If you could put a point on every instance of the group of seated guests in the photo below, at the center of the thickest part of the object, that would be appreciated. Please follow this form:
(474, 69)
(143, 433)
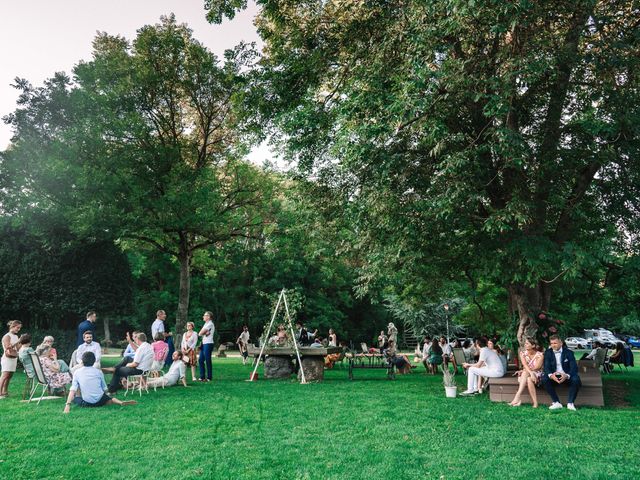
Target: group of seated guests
(55, 370)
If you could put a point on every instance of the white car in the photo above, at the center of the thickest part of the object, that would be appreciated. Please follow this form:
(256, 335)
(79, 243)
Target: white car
(578, 342)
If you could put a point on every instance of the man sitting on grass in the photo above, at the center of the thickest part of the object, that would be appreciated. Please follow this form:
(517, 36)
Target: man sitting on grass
(92, 387)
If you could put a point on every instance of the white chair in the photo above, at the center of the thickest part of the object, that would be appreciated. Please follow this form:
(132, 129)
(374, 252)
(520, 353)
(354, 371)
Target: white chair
(137, 382)
(39, 377)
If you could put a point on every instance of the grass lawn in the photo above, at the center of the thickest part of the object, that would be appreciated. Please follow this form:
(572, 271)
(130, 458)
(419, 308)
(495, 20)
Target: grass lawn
(365, 429)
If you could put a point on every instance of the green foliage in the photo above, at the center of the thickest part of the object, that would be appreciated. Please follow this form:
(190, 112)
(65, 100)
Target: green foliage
(50, 281)
(431, 319)
(502, 142)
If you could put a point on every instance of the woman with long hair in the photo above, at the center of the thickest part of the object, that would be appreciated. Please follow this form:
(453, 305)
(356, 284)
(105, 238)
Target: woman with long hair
(531, 359)
(188, 348)
(9, 362)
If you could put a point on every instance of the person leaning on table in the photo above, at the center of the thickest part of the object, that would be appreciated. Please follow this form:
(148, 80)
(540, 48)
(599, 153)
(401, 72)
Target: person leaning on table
(92, 387)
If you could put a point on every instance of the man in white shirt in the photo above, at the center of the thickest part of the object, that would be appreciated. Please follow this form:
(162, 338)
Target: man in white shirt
(92, 387)
(141, 363)
(489, 365)
(426, 351)
(88, 346)
(158, 325)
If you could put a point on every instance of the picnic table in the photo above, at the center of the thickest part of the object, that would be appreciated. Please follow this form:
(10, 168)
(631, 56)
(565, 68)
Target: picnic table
(370, 360)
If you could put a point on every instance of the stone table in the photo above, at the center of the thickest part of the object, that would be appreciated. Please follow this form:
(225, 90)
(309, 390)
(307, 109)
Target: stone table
(279, 361)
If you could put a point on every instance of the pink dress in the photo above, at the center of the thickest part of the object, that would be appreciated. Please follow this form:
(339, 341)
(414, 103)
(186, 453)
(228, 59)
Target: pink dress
(531, 363)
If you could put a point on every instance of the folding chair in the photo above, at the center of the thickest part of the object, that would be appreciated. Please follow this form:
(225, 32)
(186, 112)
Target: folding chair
(458, 354)
(39, 377)
(137, 382)
(156, 374)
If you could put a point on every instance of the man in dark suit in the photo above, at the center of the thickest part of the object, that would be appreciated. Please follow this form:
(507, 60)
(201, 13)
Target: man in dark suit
(89, 325)
(560, 366)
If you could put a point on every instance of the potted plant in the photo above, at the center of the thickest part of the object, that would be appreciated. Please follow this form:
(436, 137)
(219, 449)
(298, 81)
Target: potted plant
(450, 388)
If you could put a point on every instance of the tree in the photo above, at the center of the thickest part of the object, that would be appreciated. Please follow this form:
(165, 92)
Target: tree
(497, 140)
(143, 144)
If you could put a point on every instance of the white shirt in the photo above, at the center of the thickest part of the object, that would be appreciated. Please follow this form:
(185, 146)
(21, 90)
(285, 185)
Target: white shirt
(425, 349)
(92, 347)
(189, 343)
(176, 371)
(491, 360)
(157, 327)
(244, 337)
(208, 338)
(144, 357)
(558, 355)
(446, 349)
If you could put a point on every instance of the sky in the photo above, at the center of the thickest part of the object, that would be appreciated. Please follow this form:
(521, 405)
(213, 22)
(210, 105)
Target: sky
(41, 37)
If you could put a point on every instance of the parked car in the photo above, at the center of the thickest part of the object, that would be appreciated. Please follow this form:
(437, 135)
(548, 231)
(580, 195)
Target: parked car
(578, 342)
(633, 342)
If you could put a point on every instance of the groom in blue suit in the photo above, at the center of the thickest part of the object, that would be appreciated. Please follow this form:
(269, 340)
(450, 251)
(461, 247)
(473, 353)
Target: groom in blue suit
(560, 366)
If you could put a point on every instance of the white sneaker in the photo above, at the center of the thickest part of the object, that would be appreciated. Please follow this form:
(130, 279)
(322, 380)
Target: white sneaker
(571, 406)
(467, 393)
(556, 406)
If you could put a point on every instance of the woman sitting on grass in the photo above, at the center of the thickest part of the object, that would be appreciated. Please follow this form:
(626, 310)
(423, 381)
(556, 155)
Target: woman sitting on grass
(531, 359)
(51, 368)
(176, 373)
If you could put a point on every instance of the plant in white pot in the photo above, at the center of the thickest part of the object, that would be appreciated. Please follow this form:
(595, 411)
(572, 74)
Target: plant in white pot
(450, 388)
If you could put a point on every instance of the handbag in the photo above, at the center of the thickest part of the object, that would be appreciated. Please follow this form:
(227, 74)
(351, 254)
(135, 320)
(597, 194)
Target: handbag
(11, 352)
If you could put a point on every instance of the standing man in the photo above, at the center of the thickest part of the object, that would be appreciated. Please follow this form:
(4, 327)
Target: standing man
(158, 327)
(206, 349)
(141, 363)
(560, 366)
(89, 325)
(489, 365)
(88, 345)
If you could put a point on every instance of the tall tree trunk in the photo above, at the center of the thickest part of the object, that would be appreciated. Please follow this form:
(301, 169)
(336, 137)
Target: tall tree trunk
(107, 333)
(527, 302)
(184, 258)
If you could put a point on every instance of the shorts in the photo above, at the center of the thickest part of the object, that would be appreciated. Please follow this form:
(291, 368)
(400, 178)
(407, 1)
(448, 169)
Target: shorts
(81, 403)
(9, 364)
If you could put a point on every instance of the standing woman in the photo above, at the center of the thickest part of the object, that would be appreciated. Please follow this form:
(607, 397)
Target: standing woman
(188, 347)
(333, 338)
(9, 362)
(207, 347)
(392, 332)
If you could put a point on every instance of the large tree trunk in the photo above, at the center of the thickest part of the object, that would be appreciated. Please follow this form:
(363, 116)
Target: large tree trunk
(107, 333)
(185, 286)
(527, 302)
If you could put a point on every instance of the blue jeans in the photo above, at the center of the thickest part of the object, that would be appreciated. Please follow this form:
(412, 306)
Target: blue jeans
(205, 356)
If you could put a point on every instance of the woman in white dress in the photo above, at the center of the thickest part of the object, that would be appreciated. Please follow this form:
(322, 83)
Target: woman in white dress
(333, 338)
(9, 362)
(176, 373)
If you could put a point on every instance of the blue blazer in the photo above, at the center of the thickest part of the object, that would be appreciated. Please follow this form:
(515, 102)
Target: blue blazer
(568, 359)
(85, 326)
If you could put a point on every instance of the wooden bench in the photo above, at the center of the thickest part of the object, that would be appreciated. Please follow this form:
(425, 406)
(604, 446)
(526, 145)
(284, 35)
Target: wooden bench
(504, 389)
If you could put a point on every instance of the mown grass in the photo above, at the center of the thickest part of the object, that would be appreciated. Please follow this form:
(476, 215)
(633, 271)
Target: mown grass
(368, 428)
